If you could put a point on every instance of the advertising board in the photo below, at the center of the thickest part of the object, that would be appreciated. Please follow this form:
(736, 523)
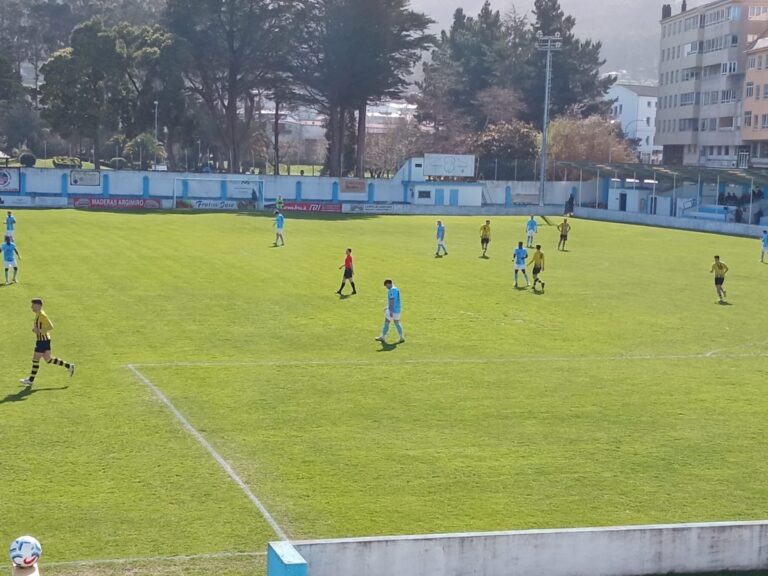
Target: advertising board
(449, 165)
(85, 178)
(118, 203)
(233, 205)
(9, 179)
(311, 207)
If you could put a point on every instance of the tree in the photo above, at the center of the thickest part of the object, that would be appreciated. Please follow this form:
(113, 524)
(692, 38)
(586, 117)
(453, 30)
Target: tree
(235, 48)
(155, 60)
(577, 87)
(592, 139)
(501, 145)
(84, 88)
(354, 52)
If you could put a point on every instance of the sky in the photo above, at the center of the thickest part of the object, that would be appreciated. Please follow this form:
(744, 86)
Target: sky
(626, 47)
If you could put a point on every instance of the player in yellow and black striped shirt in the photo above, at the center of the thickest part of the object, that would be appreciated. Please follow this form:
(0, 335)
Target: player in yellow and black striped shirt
(42, 329)
(485, 237)
(538, 266)
(719, 269)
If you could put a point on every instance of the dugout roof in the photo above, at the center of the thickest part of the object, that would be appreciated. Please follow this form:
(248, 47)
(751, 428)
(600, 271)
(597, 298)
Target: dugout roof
(737, 176)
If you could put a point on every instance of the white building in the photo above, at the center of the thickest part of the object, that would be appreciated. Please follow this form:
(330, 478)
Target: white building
(634, 108)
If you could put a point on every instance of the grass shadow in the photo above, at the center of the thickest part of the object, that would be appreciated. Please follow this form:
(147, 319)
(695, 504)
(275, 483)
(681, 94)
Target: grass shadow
(26, 392)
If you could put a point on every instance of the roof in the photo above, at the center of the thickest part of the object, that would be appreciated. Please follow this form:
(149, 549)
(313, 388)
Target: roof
(760, 44)
(642, 90)
(670, 173)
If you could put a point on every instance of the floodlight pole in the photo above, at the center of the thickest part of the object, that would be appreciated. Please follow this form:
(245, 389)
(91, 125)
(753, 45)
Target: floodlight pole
(156, 103)
(546, 44)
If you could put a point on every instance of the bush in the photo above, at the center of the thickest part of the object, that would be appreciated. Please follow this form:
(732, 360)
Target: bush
(27, 159)
(118, 163)
(66, 162)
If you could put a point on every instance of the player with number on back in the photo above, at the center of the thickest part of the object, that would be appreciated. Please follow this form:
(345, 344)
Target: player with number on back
(764, 245)
(392, 312)
(719, 268)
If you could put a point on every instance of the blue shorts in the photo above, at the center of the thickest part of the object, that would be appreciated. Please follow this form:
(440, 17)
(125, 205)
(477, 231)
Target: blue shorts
(42, 346)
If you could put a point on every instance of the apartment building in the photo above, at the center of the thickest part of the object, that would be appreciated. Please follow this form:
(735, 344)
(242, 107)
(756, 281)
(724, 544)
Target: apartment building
(754, 131)
(634, 107)
(702, 65)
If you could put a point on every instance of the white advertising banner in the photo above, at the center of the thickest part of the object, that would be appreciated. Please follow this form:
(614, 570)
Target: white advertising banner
(9, 180)
(373, 208)
(85, 178)
(453, 165)
(16, 201)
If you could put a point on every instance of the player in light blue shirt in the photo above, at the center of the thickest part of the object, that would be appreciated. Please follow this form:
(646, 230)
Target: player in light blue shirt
(531, 227)
(9, 258)
(440, 239)
(521, 255)
(279, 225)
(392, 312)
(10, 225)
(765, 246)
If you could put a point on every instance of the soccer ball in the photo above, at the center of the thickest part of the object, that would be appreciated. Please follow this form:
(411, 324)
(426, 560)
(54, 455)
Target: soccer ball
(25, 551)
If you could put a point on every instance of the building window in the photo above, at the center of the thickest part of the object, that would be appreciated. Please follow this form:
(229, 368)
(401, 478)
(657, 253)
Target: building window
(648, 104)
(760, 62)
(750, 92)
(647, 120)
(751, 63)
(728, 68)
(755, 12)
(747, 119)
(727, 151)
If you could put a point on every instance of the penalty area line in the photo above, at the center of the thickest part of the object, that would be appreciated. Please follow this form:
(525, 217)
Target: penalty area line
(714, 354)
(179, 558)
(226, 466)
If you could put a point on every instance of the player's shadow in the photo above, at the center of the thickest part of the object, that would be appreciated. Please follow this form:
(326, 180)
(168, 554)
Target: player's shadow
(483, 257)
(26, 392)
(724, 303)
(344, 296)
(387, 347)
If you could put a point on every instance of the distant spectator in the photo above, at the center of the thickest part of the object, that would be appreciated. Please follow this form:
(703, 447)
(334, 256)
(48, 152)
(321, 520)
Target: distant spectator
(738, 215)
(758, 216)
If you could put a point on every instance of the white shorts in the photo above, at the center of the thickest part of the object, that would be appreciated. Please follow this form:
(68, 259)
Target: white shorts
(531, 234)
(441, 243)
(279, 230)
(11, 264)
(520, 267)
(391, 315)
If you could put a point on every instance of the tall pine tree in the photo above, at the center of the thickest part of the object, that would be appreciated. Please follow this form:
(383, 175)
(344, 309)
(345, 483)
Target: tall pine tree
(577, 87)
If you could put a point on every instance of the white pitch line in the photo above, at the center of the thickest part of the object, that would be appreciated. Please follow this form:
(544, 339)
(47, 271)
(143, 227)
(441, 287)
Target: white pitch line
(212, 555)
(212, 451)
(299, 363)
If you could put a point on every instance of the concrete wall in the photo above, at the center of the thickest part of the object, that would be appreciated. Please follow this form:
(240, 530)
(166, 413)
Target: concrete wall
(133, 184)
(619, 551)
(670, 222)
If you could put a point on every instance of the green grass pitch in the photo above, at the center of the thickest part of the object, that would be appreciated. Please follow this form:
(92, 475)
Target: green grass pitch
(622, 395)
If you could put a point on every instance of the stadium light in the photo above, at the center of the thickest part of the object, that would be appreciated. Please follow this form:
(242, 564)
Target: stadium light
(546, 44)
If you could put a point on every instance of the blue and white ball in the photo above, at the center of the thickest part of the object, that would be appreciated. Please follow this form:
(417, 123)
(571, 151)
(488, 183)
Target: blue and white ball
(25, 551)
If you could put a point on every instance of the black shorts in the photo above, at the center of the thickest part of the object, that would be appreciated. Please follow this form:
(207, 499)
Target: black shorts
(563, 236)
(347, 273)
(484, 241)
(536, 270)
(42, 346)
(719, 280)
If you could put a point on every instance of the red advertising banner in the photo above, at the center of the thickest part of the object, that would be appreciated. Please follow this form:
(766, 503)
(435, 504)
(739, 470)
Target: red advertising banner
(118, 203)
(311, 207)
